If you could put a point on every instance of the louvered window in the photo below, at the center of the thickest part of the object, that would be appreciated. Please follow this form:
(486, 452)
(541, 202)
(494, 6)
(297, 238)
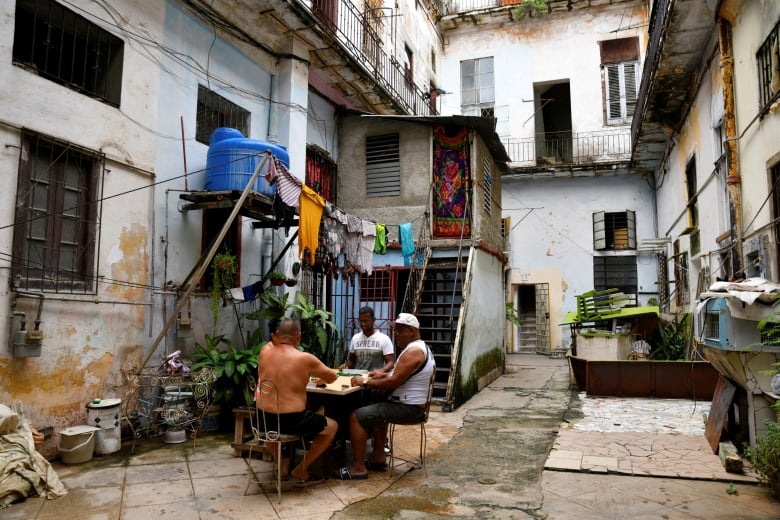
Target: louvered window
(487, 186)
(214, 111)
(383, 166)
(621, 83)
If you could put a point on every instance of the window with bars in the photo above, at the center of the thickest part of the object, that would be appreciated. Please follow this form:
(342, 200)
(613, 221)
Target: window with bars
(614, 231)
(57, 214)
(768, 61)
(616, 272)
(376, 287)
(66, 48)
(214, 111)
(477, 85)
(487, 186)
(383, 165)
(321, 173)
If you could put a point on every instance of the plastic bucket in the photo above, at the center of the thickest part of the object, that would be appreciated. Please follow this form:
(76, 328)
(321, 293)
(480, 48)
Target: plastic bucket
(106, 415)
(77, 443)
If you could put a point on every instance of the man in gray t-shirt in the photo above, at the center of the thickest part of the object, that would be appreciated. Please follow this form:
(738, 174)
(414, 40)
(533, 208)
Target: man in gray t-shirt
(370, 349)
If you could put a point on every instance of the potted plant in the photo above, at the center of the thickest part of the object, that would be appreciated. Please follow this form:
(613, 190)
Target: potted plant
(318, 333)
(235, 369)
(224, 267)
(276, 278)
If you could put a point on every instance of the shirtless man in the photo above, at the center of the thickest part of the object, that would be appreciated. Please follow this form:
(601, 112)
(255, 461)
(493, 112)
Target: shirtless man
(290, 369)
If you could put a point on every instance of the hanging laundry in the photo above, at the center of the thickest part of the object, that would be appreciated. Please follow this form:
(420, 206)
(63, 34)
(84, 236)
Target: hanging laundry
(312, 206)
(367, 247)
(407, 239)
(288, 187)
(380, 245)
(334, 229)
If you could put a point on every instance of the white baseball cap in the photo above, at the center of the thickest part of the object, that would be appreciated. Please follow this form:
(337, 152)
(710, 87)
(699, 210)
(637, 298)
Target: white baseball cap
(407, 319)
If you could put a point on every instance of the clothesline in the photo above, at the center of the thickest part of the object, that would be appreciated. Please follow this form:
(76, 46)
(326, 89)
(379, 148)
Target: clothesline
(343, 233)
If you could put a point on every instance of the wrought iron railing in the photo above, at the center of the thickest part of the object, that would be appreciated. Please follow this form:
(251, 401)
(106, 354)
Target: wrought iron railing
(463, 6)
(563, 148)
(359, 39)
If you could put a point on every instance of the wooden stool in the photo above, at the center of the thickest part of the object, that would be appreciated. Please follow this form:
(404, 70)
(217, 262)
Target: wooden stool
(241, 415)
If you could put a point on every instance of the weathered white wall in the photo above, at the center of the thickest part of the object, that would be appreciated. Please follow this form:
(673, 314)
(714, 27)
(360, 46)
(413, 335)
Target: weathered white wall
(483, 319)
(759, 147)
(538, 50)
(88, 339)
(551, 234)
(697, 138)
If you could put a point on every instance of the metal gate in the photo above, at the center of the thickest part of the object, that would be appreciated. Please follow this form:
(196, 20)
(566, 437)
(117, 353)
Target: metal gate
(543, 318)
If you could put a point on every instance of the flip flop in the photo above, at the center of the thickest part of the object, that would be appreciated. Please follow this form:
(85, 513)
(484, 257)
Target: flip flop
(376, 466)
(311, 481)
(344, 474)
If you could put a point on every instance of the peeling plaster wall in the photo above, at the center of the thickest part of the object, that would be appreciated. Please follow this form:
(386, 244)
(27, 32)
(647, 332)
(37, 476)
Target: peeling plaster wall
(88, 339)
(697, 138)
(759, 148)
(551, 234)
(538, 50)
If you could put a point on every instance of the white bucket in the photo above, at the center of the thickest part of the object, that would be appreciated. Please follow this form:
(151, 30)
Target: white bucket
(77, 443)
(106, 415)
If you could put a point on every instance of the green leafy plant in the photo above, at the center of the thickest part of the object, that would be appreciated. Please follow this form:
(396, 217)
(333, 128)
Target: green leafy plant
(532, 8)
(235, 368)
(317, 331)
(672, 339)
(276, 275)
(224, 267)
(511, 314)
(765, 457)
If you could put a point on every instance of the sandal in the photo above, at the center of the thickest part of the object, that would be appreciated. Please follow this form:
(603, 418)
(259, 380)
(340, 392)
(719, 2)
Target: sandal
(344, 474)
(376, 466)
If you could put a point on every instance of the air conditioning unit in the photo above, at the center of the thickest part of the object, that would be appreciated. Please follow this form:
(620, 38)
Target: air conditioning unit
(717, 328)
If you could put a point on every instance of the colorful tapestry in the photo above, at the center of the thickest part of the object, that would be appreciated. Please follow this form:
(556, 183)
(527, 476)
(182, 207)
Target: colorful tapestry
(451, 183)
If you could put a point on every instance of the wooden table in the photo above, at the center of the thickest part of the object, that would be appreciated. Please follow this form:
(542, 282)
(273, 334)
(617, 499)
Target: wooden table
(339, 388)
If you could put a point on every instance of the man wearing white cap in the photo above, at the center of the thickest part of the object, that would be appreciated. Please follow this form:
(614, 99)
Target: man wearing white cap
(408, 383)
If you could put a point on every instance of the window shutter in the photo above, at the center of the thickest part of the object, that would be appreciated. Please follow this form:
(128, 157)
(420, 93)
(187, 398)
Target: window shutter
(613, 91)
(383, 166)
(629, 76)
(599, 231)
(631, 225)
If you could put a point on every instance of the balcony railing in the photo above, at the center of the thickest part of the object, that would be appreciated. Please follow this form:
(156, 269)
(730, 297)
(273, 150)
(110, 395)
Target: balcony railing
(464, 6)
(360, 40)
(566, 148)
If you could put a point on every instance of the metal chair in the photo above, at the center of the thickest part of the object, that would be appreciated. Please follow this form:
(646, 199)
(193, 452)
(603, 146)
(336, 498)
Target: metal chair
(264, 434)
(423, 436)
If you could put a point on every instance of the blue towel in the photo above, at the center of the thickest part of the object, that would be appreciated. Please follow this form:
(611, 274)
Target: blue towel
(407, 239)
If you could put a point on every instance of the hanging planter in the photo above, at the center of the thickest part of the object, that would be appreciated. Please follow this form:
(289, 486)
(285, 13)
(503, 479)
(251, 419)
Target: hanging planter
(291, 282)
(277, 278)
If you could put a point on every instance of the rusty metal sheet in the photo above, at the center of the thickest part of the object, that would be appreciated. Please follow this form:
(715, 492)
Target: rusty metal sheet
(719, 412)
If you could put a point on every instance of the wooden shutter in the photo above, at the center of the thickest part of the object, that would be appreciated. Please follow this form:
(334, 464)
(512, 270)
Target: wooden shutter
(599, 231)
(631, 225)
(383, 166)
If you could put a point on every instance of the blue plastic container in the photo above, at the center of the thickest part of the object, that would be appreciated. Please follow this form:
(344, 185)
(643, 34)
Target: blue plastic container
(232, 159)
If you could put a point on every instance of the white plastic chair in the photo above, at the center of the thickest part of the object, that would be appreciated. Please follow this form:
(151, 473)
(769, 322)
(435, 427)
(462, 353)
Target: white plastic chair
(264, 434)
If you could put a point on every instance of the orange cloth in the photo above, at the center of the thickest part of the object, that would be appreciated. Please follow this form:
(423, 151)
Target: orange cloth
(310, 216)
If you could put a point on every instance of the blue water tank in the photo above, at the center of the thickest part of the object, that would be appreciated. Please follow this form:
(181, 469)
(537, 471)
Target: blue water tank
(232, 159)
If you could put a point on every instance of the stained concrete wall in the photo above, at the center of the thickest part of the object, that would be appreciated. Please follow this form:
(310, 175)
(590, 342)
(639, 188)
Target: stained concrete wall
(551, 235)
(88, 339)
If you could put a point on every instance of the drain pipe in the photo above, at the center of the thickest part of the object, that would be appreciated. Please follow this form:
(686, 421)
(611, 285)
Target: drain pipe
(733, 179)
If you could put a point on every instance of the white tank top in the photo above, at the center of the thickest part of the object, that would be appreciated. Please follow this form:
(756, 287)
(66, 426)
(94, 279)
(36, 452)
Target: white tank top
(415, 389)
